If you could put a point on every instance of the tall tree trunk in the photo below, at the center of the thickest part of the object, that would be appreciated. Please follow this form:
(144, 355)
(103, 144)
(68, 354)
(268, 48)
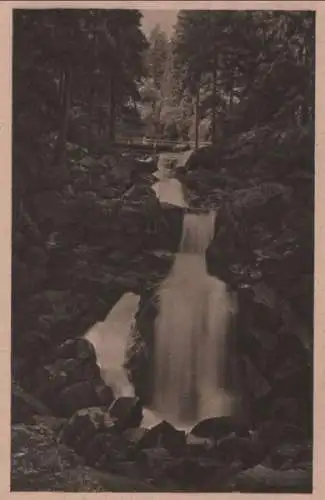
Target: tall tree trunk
(214, 103)
(60, 146)
(112, 110)
(197, 115)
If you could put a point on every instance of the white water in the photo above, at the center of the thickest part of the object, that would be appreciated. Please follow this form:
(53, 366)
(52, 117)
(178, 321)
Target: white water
(190, 330)
(168, 189)
(110, 338)
(190, 333)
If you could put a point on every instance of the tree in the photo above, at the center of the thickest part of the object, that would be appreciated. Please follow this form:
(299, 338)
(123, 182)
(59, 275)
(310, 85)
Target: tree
(74, 57)
(156, 55)
(249, 66)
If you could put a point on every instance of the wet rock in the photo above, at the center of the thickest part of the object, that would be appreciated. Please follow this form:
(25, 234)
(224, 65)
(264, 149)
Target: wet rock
(127, 411)
(139, 351)
(164, 435)
(84, 425)
(165, 228)
(25, 406)
(219, 427)
(104, 393)
(79, 348)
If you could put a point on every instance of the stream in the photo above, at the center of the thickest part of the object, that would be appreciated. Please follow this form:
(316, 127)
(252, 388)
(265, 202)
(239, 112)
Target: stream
(190, 329)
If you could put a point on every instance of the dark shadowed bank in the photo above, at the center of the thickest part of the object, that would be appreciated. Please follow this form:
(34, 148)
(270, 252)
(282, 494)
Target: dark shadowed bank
(87, 228)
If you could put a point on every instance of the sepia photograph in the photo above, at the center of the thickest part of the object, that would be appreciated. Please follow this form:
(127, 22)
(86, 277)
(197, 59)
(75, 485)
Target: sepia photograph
(162, 324)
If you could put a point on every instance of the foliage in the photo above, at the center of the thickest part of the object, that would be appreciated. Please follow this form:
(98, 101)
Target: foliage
(250, 67)
(89, 61)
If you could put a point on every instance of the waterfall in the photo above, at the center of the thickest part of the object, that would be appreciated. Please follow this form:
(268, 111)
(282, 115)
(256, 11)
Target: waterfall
(168, 189)
(190, 332)
(110, 338)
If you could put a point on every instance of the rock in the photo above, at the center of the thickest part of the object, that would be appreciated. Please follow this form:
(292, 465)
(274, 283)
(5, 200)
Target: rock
(156, 463)
(106, 450)
(139, 350)
(75, 397)
(219, 481)
(62, 373)
(261, 479)
(84, 425)
(273, 433)
(289, 454)
(286, 410)
(164, 435)
(199, 445)
(166, 228)
(134, 435)
(193, 474)
(53, 423)
(249, 452)
(25, 406)
(204, 157)
(79, 348)
(127, 411)
(218, 427)
(39, 463)
(104, 394)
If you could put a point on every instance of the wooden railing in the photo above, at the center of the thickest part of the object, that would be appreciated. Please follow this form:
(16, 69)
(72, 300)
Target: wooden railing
(157, 144)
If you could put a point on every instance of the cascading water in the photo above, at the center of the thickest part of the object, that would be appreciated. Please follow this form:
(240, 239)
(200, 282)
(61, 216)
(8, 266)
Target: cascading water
(110, 338)
(168, 189)
(190, 332)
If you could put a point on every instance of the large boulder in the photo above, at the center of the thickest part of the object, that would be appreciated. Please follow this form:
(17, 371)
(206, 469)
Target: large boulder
(62, 373)
(139, 351)
(163, 435)
(84, 425)
(127, 411)
(219, 427)
(80, 395)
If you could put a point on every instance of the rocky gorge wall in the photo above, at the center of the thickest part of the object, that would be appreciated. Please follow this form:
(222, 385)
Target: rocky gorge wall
(78, 246)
